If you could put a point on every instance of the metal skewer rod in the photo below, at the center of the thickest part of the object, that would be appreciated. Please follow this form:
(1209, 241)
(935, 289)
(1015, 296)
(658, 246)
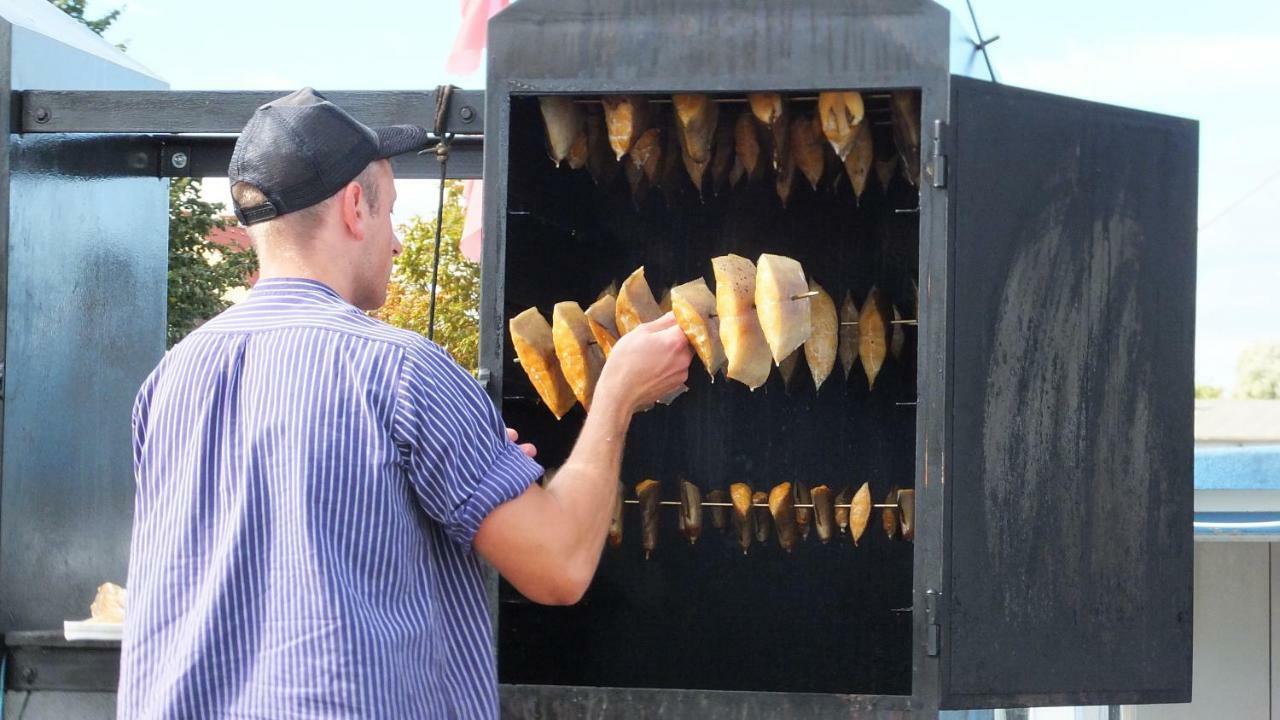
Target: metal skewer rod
(662, 100)
(891, 322)
(677, 503)
(805, 295)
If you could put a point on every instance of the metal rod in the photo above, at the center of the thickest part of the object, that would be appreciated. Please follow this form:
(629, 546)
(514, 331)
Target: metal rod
(805, 295)
(891, 322)
(706, 503)
(664, 100)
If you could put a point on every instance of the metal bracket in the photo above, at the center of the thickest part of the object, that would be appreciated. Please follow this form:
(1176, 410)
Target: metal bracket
(175, 161)
(933, 630)
(938, 155)
(483, 376)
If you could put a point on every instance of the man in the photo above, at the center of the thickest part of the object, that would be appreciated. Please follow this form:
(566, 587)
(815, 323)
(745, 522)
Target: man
(315, 488)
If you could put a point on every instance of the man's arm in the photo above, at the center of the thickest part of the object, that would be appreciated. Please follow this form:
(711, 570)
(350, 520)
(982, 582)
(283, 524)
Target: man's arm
(547, 541)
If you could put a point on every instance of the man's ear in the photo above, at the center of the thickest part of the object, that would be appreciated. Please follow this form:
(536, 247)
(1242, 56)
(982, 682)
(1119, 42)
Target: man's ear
(354, 214)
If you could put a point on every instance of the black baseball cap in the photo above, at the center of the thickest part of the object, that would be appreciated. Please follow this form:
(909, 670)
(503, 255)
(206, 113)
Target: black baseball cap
(301, 149)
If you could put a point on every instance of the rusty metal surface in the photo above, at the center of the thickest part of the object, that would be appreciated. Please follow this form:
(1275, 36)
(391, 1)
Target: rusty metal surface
(534, 702)
(1071, 425)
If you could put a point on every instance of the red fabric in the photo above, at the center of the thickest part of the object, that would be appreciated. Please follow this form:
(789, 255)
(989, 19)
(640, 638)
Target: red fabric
(473, 196)
(468, 47)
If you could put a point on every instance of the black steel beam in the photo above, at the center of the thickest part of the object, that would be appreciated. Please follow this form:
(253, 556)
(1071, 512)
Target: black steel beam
(120, 155)
(169, 111)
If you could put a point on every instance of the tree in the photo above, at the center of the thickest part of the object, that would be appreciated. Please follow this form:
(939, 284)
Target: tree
(200, 271)
(1208, 392)
(1258, 372)
(76, 8)
(458, 298)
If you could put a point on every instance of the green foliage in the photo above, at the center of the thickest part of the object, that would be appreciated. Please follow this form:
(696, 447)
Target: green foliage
(1208, 392)
(76, 8)
(1258, 372)
(458, 299)
(200, 271)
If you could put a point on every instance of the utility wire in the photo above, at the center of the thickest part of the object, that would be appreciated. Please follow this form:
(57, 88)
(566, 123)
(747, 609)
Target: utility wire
(1240, 200)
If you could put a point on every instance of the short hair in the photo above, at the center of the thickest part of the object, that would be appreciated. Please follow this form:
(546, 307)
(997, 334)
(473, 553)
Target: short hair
(246, 195)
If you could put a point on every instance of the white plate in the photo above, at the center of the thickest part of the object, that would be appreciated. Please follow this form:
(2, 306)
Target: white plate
(90, 630)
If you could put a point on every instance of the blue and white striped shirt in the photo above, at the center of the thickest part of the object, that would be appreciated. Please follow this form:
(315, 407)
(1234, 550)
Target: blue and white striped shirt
(309, 482)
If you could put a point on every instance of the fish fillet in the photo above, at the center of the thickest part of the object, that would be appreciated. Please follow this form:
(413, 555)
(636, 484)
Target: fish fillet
(601, 319)
(885, 170)
(803, 514)
(695, 309)
(615, 525)
(768, 107)
(820, 348)
(784, 182)
(763, 524)
(746, 143)
(823, 513)
(860, 512)
(647, 493)
(841, 114)
(601, 163)
(858, 161)
(690, 511)
(782, 506)
(696, 118)
(580, 356)
(579, 152)
(784, 320)
(905, 105)
(806, 148)
(871, 337)
(535, 347)
(848, 349)
(565, 124)
(907, 511)
(842, 509)
(889, 515)
(898, 336)
(626, 118)
(646, 154)
(743, 514)
(719, 515)
(635, 305)
(722, 157)
(746, 352)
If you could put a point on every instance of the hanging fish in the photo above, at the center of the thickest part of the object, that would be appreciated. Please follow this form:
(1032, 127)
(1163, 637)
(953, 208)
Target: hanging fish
(848, 349)
(871, 337)
(719, 514)
(696, 118)
(804, 514)
(646, 154)
(820, 348)
(722, 158)
(823, 513)
(860, 512)
(615, 525)
(782, 506)
(905, 105)
(898, 336)
(647, 493)
(842, 509)
(746, 352)
(768, 107)
(743, 514)
(746, 145)
(889, 515)
(695, 309)
(787, 368)
(859, 159)
(690, 511)
(672, 172)
(626, 117)
(664, 305)
(785, 180)
(763, 523)
(565, 124)
(780, 288)
(636, 180)
(907, 509)
(806, 148)
(601, 320)
(535, 348)
(885, 170)
(579, 152)
(601, 163)
(841, 115)
(581, 359)
(635, 305)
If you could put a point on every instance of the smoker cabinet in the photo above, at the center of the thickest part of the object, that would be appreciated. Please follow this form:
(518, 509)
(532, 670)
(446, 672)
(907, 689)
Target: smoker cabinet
(1042, 411)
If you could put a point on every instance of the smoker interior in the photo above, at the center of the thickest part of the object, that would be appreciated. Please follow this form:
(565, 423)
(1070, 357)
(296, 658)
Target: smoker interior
(825, 618)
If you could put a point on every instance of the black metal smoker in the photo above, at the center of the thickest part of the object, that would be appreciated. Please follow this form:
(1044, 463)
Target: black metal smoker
(1042, 413)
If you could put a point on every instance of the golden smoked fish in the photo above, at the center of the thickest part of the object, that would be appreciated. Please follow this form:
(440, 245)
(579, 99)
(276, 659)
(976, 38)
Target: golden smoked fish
(694, 306)
(907, 513)
(565, 124)
(848, 349)
(905, 107)
(535, 347)
(859, 160)
(746, 352)
(782, 506)
(871, 337)
(780, 288)
(581, 359)
(635, 305)
(804, 515)
(690, 511)
(743, 514)
(627, 118)
(860, 512)
(806, 148)
(615, 525)
(823, 513)
(601, 163)
(842, 509)
(820, 348)
(889, 516)
(760, 504)
(746, 143)
(841, 115)
(601, 319)
(719, 514)
(647, 493)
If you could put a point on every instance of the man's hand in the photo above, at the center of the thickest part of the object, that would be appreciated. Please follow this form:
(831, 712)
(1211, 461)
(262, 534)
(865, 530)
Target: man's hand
(647, 365)
(526, 448)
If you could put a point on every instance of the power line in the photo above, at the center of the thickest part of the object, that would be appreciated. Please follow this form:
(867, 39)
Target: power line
(1240, 200)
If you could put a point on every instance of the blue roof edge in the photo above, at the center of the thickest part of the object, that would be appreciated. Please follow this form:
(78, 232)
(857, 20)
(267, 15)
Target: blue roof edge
(1252, 467)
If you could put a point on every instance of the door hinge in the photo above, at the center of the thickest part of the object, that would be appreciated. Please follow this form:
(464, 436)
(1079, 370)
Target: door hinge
(933, 629)
(483, 375)
(938, 155)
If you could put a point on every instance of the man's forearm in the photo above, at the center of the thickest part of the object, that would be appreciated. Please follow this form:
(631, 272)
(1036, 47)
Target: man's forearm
(585, 486)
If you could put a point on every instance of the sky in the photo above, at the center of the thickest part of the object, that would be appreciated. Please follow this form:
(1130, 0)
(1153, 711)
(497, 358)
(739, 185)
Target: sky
(1218, 63)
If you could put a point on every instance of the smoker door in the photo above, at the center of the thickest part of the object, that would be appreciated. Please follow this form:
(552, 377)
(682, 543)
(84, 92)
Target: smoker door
(1069, 470)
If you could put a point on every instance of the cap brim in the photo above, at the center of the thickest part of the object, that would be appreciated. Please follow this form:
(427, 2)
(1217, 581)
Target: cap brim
(400, 139)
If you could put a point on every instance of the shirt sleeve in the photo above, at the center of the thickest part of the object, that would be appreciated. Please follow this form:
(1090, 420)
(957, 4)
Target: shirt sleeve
(453, 444)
